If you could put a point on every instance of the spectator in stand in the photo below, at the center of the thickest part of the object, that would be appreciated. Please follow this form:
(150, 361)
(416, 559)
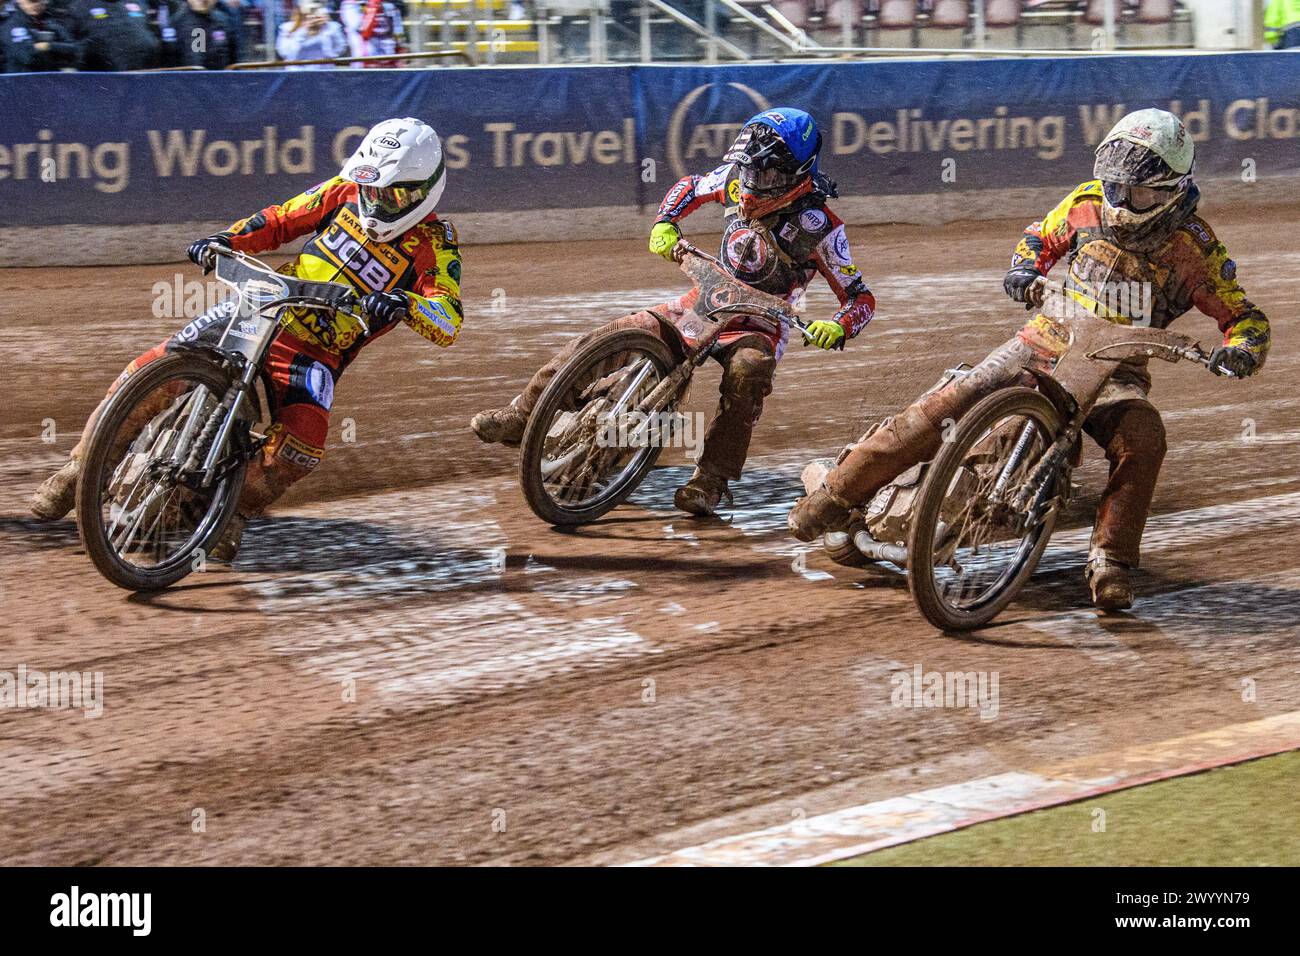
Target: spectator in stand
(33, 42)
(310, 35)
(1282, 24)
(238, 11)
(114, 35)
(206, 35)
(161, 14)
(374, 28)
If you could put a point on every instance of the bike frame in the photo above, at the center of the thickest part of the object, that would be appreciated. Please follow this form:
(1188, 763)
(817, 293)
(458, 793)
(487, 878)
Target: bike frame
(724, 297)
(261, 296)
(1094, 352)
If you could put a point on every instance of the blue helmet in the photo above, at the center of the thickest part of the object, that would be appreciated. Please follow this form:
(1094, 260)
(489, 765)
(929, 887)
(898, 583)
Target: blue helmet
(775, 155)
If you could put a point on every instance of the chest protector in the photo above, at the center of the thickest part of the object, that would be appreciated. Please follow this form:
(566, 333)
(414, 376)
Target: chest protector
(774, 254)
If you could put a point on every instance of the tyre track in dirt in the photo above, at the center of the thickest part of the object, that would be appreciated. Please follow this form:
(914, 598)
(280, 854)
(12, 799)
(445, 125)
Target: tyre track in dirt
(518, 685)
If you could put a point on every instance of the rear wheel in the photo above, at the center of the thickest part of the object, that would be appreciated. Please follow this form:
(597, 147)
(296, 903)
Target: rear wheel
(582, 454)
(974, 541)
(143, 518)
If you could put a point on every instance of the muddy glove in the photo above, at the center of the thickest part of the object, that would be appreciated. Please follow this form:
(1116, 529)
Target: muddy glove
(1019, 285)
(386, 307)
(662, 239)
(200, 251)
(1233, 359)
(826, 335)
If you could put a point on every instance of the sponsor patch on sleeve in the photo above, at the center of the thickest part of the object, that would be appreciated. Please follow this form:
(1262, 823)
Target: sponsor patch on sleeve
(435, 313)
(813, 220)
(712, 181)
(1200, 232)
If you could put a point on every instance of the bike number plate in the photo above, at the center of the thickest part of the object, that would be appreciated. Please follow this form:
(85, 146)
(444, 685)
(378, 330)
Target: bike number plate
(246, 333)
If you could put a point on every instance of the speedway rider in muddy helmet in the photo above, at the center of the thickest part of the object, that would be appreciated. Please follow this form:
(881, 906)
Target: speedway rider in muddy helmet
(1135, 224)
(776, 161)
(1145, 168)
(374, 227)
(778, 235)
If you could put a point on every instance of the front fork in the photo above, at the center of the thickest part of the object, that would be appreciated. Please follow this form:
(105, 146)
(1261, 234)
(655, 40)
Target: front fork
(225, 413)
(674, 384)
(246, 358)
(1039, 496)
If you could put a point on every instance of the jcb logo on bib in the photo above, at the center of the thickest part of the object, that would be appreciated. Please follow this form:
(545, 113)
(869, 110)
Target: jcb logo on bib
(374, 267)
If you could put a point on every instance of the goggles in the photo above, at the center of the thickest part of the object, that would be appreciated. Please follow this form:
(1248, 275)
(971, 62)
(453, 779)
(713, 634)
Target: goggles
(761, 181)
(1137, 198)
(389, 202)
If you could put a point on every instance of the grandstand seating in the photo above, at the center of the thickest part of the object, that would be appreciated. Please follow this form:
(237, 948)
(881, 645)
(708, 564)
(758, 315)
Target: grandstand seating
(1040, 24)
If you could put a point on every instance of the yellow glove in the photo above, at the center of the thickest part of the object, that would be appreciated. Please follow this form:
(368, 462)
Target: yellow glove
(662, 239)
(826, 335)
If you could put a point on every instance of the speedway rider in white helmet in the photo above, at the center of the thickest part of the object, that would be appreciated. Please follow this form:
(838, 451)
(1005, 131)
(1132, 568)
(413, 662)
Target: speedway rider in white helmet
(1134, 224)
(372, 226)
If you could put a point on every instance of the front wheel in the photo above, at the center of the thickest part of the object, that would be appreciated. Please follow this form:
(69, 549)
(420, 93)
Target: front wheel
(145, 519)
(976, 537)
(585, 448)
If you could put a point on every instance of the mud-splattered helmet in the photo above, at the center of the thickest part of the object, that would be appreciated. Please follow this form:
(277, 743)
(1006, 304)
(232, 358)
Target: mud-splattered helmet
(776, 160)
(1145, 167)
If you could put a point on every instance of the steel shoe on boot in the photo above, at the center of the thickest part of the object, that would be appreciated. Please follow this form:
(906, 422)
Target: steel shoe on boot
(700, 496)
(227, 546)
(1111, 583)
(818, 513)
(57, 494)
(500, 425)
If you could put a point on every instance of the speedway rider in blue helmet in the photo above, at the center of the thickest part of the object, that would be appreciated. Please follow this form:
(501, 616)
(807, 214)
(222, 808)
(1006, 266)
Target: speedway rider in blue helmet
(778, 235)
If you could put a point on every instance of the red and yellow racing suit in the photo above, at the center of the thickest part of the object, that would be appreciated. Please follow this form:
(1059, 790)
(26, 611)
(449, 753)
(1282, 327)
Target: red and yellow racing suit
(309, 352)
(1191, 270)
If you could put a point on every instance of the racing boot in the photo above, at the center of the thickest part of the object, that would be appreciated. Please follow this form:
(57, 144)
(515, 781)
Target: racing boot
(818, 513)
(882, 455)
(500, 425)
(701, 495)
(1111, 583)
(225, 548)
(57, 494)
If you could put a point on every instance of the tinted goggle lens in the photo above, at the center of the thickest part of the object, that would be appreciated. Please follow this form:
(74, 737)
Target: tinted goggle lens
(392, 199)
(764, 180)
(1137, 198)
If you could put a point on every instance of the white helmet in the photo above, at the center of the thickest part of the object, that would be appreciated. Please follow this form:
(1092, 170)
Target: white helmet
(400, 174)
(1145, 167)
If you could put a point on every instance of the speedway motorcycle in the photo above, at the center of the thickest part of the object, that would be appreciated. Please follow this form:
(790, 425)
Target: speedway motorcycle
(578, 458)
(970, 526)
(165, 462)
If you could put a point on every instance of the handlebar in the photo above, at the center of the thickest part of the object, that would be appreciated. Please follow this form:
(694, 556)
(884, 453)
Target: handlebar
(1191, 352)
(346, 304)
(683, 248)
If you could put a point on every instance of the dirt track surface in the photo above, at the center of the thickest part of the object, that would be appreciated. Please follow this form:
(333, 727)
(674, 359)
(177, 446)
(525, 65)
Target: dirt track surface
(642, 684)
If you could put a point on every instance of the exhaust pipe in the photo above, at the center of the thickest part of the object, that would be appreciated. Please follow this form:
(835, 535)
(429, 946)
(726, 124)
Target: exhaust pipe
(879, 551)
